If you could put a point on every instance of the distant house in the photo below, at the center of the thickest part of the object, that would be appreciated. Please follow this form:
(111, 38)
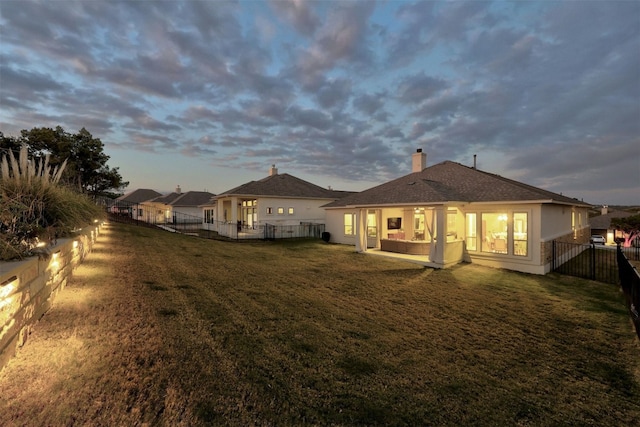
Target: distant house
(187, 206)
(278, 199)
(448, 213)
(601, 224)
(132, 203)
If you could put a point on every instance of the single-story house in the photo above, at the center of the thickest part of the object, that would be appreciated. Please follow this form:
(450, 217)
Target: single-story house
(132, 203)
(278, 199)
(601, 224)
(178, 206)
(448, 213)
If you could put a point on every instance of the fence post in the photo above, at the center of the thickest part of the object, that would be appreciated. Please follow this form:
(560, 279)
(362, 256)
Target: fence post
(593, 261)
(553, 256)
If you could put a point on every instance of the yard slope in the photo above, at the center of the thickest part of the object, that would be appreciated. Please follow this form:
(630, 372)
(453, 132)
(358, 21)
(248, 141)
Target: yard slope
(162, 329)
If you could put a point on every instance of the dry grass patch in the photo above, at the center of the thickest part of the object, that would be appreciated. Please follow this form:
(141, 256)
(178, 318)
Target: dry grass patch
(165, 329)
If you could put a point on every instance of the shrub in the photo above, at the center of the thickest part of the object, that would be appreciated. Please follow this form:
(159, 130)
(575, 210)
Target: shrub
(34, 208)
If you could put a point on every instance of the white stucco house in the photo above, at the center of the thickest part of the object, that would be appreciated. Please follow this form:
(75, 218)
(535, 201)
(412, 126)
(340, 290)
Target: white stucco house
(278, 199)
(177, 206)
(448, 213)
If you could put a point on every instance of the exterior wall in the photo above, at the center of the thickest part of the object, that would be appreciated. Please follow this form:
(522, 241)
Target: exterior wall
(558, 222)
(28, 288)
(304, 210)
(334, 224)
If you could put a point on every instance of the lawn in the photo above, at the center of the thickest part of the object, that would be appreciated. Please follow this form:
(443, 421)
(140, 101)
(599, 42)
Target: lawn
(158, 328)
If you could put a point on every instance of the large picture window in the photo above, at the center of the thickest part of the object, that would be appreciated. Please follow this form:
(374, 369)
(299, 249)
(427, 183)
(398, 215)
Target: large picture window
(349, 224)
(495, 238)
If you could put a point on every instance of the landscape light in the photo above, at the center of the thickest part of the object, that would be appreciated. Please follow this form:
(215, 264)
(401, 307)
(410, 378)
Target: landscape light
(7, 289)
(55, 263)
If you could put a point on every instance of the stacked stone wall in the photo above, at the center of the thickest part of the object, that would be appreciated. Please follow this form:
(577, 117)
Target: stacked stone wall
(29, 287)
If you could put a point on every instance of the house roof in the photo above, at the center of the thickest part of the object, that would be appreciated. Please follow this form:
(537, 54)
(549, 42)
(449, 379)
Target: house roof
(603, 222)
(190, 198)
(284, 185)
(451, 182)
(193, 198)
(166, 199)
(138, 196)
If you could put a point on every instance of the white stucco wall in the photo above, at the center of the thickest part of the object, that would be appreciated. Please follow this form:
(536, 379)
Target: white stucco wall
(304, 210)
(334, 224)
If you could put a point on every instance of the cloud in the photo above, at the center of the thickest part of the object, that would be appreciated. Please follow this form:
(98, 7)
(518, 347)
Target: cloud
(345, 90)
(298, 13)
(419, 87)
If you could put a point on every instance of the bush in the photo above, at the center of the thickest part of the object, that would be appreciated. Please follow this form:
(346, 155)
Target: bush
(34, 208)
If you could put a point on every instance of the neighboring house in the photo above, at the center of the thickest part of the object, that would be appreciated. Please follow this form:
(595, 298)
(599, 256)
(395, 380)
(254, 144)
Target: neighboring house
(278, 199)
(186, 206)
(132, 203)
(601, 224)
(448, 213)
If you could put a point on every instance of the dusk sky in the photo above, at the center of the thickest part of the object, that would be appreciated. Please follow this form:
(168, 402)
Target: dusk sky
(209, 94)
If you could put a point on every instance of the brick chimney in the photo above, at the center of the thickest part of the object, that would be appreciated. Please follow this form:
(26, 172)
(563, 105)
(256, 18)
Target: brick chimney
(418, 160)
(273, 170)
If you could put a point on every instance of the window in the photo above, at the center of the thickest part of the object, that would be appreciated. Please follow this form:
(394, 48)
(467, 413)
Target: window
(280, 211)
(290, 211)
(349, 224)
(471, 232)
(372, 229)
(270, 211)
(520, 235)
(208, 216)
(494, 232)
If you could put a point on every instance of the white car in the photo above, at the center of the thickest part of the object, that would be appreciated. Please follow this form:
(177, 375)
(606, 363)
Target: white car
(597, 240)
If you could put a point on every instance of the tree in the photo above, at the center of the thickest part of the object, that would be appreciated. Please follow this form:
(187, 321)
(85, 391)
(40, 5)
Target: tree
(630, 226)
(87, 168)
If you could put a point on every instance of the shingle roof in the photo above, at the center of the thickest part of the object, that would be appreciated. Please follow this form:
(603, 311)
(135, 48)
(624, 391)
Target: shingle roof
(284, 185)
(166, 199)
(192, 198)
(140, 195)
(450, 182)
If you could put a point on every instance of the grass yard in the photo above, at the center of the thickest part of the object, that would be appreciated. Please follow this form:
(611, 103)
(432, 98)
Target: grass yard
(161, 329)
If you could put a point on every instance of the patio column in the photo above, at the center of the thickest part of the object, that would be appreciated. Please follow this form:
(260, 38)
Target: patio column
(361, 231)
(234, 210)
(441, 235)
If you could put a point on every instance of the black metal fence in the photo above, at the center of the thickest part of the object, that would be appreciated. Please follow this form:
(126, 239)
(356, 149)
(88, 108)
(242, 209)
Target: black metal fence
(630, 284)
(589, 261)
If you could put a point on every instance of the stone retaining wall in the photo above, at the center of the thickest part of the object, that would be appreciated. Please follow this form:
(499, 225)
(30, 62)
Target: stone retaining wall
(28, 287)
